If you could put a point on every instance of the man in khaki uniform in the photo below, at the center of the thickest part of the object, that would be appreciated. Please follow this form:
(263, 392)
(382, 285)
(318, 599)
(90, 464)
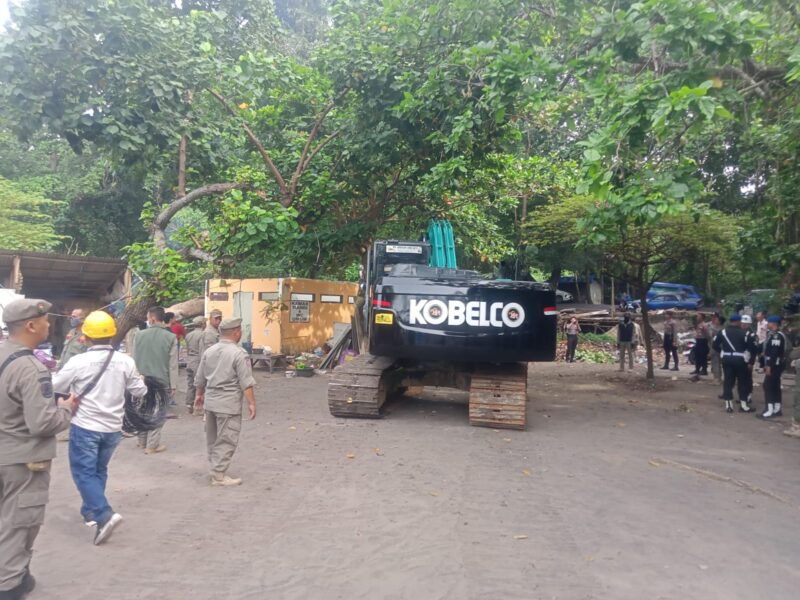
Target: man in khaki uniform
(224, 378)
(29, 421)
(75, 342)
(155, 351)
(211, 333)
(193, 341)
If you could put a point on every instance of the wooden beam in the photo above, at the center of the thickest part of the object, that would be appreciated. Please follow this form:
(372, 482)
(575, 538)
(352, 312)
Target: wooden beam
(15, 279)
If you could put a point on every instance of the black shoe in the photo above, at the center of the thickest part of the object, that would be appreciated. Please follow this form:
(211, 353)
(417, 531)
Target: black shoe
(105, 530)
(695, 372)
(749, 410)
(23, 589)
(704, 372)
(664, 368)
(729, 410)
(778, 414)
(674, 368)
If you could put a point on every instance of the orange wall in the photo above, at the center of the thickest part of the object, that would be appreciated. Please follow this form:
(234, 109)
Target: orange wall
(279, 333)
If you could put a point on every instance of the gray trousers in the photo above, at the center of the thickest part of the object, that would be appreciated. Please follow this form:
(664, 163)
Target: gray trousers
(23, 496)
(716, 365)
(151, 439)
(222, 439)
(796, 414)
(191, 391)
(623, 348)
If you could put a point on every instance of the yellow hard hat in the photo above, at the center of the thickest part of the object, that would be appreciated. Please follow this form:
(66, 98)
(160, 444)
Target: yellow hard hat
(99, 325)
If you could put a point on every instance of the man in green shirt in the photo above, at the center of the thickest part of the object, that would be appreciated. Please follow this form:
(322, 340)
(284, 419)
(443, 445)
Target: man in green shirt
(155, 351)
(75, 342)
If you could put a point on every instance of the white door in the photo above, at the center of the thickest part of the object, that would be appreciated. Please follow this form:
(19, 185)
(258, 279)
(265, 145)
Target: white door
(243, 309)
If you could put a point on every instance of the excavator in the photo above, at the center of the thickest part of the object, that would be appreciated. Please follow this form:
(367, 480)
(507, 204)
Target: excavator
(429, 323)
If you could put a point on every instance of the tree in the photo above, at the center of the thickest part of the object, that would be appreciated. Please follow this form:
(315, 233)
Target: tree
(26, 219)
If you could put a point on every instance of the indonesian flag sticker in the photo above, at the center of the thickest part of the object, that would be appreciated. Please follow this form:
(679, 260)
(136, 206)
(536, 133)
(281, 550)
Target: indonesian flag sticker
(550, 311)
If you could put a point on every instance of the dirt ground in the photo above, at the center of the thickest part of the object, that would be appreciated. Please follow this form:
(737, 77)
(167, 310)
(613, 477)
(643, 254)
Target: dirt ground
(615, 491)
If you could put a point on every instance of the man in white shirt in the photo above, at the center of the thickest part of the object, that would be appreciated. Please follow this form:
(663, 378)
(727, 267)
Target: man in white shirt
(762, 331)
(99, 377)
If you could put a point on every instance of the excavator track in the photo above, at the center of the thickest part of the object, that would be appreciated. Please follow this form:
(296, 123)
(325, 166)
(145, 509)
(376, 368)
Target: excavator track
(358, 388)
(498, 396)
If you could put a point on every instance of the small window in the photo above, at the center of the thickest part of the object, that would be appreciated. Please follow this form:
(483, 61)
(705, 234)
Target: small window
(218, 296)
(330, 299)
(303, 297)
(351, 299)
(268, 296)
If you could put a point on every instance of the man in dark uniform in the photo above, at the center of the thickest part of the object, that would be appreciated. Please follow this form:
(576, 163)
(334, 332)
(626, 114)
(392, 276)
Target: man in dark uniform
(774, 363)
(30, 418)
(670, 341)
(753, 350)
(731, 343)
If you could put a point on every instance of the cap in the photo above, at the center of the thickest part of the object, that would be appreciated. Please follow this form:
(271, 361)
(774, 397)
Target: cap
(735, 318)
(747, 319)
(773, 319)
(199, 320)
(228, 324)
(26, 309)
(215, 313)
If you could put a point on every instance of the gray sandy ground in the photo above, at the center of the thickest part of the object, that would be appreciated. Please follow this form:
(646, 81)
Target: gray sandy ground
(597, 499)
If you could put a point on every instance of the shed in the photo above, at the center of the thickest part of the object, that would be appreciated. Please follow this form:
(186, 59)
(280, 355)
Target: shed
(68, 281)
(289, 315)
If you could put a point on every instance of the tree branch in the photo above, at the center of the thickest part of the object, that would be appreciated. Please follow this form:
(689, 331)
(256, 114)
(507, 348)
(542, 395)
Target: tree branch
(286, 197)
(165, 216)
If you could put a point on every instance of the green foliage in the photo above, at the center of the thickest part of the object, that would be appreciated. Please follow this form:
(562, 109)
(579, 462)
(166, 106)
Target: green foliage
(594, 356)
(26, 219)
(641, 139)
(168, 275)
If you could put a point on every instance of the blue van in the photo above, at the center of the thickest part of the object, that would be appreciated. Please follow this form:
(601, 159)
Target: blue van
(664, 287)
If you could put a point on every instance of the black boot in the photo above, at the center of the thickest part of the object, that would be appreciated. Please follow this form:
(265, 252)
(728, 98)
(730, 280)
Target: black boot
(23, 589)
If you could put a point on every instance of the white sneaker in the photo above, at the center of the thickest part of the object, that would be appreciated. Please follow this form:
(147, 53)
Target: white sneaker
(104, 531)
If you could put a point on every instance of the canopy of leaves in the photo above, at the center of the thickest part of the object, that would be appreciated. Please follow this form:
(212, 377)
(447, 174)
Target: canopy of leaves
(26, 219)
(567, 135)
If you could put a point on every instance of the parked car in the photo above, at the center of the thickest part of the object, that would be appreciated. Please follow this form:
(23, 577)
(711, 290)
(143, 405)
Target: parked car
(668, 301)
(663, 287)
(562, 296)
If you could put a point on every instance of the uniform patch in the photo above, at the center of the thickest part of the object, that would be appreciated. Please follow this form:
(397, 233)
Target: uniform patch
(46, 387)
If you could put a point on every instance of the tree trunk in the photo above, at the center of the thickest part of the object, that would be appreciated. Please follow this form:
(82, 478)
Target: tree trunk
(190, 308)
(135, 312)
(555, 276)
(647, 331)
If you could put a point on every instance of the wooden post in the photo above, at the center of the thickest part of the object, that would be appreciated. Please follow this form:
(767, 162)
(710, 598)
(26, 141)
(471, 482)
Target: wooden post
(613, 300)
(15, 279)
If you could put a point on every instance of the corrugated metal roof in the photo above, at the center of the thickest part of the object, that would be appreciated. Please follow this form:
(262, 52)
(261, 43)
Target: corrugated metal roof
(48, 275)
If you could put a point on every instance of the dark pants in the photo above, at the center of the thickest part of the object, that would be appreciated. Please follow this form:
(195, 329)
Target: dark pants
(735, 371)
(701, 355)
(772, 386)
(89, 455)
(572, 344)
(670, 348)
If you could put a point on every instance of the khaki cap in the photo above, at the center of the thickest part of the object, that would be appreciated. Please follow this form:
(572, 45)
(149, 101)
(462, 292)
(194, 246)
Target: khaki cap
(229, 324)
(25, 310)
(199, 320)
(215, 313)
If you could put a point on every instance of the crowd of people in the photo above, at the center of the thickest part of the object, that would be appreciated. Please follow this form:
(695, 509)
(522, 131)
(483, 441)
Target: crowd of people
(733, 349)
(94, 394)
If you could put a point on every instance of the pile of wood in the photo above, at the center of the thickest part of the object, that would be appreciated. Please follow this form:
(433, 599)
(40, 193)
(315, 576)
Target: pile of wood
(596, 321)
